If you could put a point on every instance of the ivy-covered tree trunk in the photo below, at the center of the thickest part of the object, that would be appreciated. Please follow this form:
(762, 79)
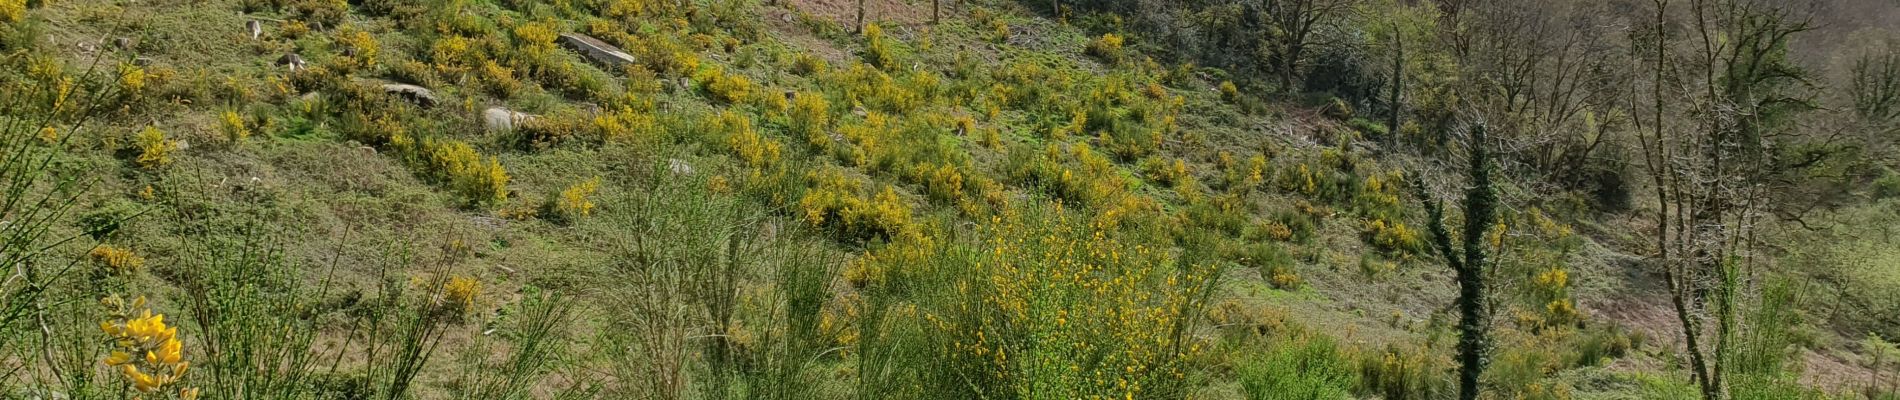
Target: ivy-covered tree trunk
(1474, 320)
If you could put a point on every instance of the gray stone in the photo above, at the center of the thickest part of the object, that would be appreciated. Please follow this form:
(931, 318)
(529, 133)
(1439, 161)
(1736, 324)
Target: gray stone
(292, 61)
(415, 94)
(497, 119)
(256, 28)
(597, 50)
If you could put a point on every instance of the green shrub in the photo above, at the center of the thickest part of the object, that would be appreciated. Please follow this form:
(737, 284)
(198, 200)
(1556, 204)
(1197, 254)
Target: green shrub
(1886, 186)
(1308, 368)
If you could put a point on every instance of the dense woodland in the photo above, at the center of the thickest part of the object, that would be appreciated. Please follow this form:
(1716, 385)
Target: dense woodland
(949, 199)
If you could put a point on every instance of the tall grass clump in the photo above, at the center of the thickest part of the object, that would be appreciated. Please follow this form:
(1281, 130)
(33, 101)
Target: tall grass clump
(677, 276)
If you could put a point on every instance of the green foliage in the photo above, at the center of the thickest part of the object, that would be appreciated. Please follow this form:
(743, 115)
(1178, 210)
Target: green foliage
(1305, 368)
(1887, 185)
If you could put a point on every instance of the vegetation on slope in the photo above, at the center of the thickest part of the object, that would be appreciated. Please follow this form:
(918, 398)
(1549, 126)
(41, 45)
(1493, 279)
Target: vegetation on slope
(1022, 200)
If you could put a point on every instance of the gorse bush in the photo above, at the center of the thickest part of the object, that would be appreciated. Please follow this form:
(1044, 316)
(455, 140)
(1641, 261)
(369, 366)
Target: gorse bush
(154, 149)
(877, 48)
(724, 86)
(1108, 47)
(12, 11)
(117, 260)
(839, 201)
(233, 126)
(457, 165)
(577, 200)
(1109, 317)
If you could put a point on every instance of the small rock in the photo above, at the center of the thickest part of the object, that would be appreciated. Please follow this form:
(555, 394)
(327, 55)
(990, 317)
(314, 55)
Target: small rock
(679, 167)
(497, 119)
(292, 61)
(122, 43)
(414, 94)
(183, 144)
(142, 61)
(256, 28)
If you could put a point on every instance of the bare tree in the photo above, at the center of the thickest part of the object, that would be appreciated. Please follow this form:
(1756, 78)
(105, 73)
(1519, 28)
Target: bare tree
(1717, 163)
(1291, 34)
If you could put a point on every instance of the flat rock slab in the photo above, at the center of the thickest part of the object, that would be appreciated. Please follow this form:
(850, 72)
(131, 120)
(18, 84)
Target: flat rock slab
(597, 50)
(415, 94)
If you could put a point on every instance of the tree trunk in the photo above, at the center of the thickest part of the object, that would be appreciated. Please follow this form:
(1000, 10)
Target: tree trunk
(1474, 320)
(1398, 85)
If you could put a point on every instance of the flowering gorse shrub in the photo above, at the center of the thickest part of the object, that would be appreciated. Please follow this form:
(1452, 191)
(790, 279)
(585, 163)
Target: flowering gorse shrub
(116, 259)
(146, 351)
(233, 126)
(577, 201)
(1108, 47)
(1047, 307)
(155, 150)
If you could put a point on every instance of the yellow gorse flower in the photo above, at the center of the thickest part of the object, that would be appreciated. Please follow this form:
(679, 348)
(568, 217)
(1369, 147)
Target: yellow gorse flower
(146, 351)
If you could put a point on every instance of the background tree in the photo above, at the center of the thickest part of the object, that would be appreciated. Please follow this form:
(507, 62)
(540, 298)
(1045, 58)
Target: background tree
(1293, 27)
(1726, 159)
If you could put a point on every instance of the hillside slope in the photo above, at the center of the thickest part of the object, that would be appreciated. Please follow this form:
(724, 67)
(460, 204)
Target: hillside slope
(454, 199)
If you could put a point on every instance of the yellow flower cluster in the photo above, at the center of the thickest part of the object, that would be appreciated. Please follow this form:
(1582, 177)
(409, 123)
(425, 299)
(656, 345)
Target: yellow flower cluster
(1108, 47)
(724, 86)
(456, 163)
(154, 149)
(837, 201)
(576, 201)
(233, 124)
(12, 10)
(362, 48)
(131, 79)
(459, 293)
(810, 118)
(1105, 320)
(757, 151)
(1392, 236)
(146, 351)
(877, 49)
(119, 260)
